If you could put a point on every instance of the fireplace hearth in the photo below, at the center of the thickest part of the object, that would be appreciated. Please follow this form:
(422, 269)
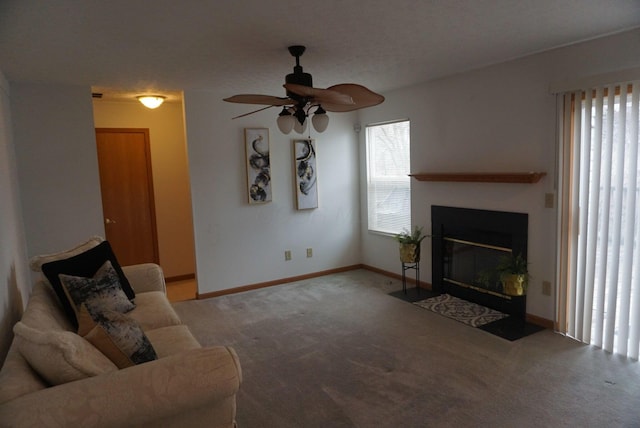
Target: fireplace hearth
(467, 247)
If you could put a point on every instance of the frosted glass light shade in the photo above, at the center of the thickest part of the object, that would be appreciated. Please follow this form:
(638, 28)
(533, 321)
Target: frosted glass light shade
(300, 128)
(151, 101)
(320, 121)
(286, 122)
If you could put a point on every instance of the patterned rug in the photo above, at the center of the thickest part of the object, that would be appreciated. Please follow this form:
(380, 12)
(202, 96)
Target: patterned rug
(461, 310)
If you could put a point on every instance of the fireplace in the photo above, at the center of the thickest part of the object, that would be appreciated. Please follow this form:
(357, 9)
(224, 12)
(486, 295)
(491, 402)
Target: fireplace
(467, 246)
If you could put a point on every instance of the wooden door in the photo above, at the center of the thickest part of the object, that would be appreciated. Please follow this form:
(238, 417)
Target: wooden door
(126, 183)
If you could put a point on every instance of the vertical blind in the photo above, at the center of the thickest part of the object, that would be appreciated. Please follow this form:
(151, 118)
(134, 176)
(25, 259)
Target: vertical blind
(600, 226)
(388, 186)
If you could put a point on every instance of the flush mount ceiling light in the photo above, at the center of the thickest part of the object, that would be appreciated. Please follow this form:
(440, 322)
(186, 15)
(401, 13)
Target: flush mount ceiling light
(303, 99)
(151, 101)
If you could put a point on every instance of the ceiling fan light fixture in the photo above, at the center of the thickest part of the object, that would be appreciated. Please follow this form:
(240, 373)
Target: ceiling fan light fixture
(300, 128)
(151, 101)
(285, 121)
(320, 120)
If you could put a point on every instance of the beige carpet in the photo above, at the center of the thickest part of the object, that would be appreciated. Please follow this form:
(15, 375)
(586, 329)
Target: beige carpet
(337, 351)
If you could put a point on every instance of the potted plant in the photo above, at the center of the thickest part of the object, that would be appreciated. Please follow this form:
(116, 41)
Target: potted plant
(410, 244)
(514, 274)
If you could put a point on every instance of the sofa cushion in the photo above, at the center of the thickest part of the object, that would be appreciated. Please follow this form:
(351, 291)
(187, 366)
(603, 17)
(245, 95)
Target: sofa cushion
(145, 277)
(44, 309)
(100, 293)
(172, 340)
(153, 310)
(85, 264)
(60, 356)
(117, 336)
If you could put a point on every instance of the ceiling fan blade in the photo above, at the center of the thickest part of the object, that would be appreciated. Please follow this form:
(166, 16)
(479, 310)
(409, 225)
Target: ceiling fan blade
(361, 96)
(320, 96)
(251, 112)
(260, 99)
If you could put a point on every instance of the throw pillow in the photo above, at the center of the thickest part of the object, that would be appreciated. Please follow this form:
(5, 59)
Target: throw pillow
(36, 262)
(85, 264)
(60, 356)
(117, 336)
(103, 291)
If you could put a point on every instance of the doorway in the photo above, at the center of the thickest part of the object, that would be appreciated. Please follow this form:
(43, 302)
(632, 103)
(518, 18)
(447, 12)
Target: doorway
(126, 184)
(171, 182)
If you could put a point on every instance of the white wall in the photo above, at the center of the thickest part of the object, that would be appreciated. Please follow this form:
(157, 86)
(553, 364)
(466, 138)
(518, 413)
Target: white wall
(57, 165)
(172, 194)
(239, 244)
(14, 275)
(497, 119)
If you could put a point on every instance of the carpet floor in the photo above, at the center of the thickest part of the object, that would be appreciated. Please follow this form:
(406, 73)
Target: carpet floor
(338, 351)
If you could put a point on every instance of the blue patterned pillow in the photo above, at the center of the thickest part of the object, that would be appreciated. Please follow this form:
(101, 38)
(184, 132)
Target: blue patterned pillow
(103, 292)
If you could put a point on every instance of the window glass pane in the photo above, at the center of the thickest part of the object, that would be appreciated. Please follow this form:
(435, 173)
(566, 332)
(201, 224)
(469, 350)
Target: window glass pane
(388, 185)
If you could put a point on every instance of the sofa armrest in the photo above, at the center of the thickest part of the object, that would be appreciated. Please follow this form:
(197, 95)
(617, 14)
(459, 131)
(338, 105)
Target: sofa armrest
(145, 277)
(134, 396)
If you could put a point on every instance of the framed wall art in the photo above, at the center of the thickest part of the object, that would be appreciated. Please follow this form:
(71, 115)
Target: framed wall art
(256, 143)
(306, 174)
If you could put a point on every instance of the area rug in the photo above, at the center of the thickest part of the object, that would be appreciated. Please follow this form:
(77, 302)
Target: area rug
(461, 310)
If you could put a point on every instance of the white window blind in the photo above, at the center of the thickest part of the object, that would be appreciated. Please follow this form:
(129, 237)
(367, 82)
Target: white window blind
(601, 231)
(388, 185)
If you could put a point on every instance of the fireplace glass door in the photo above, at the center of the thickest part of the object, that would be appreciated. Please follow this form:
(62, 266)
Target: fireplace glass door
(473, 264)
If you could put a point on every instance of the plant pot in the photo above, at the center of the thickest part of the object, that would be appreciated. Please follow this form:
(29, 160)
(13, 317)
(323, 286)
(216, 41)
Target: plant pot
(514, 284)
(409, 253)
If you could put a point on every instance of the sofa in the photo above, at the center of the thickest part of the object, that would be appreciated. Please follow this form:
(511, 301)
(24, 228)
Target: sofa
(53, 377)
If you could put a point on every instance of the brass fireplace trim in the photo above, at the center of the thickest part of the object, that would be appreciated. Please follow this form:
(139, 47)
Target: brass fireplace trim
(480, 289)
(478, 244)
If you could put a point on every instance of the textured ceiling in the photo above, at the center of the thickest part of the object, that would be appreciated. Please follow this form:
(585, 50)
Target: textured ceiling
(230, 47)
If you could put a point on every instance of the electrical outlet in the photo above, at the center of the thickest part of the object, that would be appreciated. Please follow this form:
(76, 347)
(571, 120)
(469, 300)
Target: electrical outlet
(549, 200)
(287, 255)
(546, 288)
(309, 252)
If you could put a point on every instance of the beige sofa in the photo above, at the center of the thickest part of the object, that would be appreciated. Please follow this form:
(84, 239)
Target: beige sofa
(187, 386)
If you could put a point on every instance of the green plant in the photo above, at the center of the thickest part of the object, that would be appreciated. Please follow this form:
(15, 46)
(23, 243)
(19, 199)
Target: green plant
(514, 274)
(411, 237)
(488, 279)
(513, 265)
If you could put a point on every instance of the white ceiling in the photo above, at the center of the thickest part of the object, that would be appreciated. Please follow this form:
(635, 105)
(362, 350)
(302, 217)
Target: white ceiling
(230, 47)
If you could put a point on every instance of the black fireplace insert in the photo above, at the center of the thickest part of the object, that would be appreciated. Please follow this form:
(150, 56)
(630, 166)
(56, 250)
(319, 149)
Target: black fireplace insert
(467, 248)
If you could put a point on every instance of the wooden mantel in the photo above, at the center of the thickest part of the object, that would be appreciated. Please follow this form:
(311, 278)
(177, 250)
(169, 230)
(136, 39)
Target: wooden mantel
(481, 177)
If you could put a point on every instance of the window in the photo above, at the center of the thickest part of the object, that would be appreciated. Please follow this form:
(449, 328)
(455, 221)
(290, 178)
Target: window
(388, 186)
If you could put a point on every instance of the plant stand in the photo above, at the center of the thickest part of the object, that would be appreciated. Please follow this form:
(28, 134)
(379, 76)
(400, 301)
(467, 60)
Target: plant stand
(406, 266)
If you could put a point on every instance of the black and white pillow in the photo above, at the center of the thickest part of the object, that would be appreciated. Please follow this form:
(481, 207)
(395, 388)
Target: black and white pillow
(85, 264)
(102, 292)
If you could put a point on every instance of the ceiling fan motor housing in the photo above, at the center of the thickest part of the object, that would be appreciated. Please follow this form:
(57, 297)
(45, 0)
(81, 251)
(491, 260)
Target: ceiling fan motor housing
(298, 77)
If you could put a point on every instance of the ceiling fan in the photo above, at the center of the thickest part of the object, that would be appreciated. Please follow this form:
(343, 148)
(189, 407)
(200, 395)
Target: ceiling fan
(302, 97)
